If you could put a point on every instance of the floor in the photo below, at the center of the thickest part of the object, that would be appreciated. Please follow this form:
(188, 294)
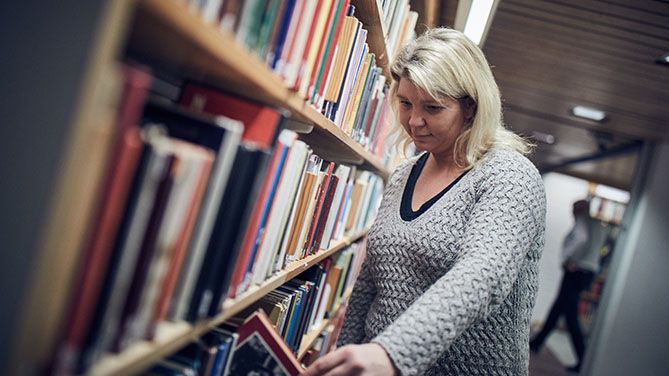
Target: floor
(553, 357)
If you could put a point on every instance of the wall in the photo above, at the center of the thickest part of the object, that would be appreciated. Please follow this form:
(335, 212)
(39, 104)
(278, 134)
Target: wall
(631, 334)
(561, 192)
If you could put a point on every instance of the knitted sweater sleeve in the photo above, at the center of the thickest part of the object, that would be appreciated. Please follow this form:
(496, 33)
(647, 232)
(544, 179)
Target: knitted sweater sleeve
(353, 331)
(507, 217)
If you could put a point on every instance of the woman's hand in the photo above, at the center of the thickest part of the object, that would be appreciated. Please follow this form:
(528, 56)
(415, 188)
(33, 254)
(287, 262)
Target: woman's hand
(369, 359)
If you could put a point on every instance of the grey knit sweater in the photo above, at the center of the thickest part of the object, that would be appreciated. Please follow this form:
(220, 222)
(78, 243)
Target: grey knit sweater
(451, 292)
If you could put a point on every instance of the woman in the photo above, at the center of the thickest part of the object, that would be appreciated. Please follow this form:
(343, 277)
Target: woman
(451, 271)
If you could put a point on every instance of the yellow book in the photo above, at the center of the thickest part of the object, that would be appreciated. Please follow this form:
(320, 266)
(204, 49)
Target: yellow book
(344, 47)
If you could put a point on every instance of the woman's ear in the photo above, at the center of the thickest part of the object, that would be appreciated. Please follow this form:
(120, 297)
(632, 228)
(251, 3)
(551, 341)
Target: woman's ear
(469, 110)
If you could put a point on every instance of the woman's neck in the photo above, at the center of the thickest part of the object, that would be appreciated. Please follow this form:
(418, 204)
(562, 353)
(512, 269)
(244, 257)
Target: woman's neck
(442, 162)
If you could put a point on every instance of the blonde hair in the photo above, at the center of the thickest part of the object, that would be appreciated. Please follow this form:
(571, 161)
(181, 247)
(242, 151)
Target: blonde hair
(446, 64)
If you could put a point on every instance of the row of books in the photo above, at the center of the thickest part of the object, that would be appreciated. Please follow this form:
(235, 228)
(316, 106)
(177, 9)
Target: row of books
(319, 49)
(400, 22)
(266, 336)
(192, 204)
(302, 304)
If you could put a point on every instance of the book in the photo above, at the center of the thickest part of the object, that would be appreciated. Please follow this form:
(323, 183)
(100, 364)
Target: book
(217, 133)
(261, 350)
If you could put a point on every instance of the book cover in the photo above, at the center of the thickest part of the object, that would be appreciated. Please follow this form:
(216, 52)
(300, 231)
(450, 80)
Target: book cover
(261, 350)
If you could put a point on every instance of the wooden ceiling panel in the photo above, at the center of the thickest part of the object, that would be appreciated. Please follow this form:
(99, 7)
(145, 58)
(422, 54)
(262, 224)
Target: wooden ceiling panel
(550, 55)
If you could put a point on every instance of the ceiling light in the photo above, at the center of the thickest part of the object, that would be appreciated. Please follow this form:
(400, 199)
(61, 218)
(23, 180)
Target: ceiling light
(588, 113)
(542, 137)
(664, 59)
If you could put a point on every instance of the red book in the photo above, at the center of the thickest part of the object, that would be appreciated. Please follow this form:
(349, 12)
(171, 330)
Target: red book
(261, 123)
(111, 203)
(260, 348)
(319, 208)
(325, 212)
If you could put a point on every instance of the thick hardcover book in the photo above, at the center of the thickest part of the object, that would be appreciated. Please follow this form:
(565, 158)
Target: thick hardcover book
(262, 351)
(214, 275)
(222, 135)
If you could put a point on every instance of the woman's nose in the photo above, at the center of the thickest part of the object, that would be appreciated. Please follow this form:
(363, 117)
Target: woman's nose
(415, 120)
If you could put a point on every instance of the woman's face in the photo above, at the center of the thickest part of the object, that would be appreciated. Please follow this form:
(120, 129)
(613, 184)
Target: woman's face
(433, 125)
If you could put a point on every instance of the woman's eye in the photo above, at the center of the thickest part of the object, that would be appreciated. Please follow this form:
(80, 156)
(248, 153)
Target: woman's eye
(433, 109)
(405, 104)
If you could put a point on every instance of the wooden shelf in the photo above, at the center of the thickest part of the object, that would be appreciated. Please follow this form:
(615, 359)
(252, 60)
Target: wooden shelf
(309, 338)
(172, 336)
(369, 13)
(167, 36)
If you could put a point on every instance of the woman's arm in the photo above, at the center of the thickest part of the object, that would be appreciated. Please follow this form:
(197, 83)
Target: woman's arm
(361, 298)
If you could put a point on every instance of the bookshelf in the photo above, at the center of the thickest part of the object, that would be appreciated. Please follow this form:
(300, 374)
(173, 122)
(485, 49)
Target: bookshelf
(172, 336)
(161, 33)
(211, 55)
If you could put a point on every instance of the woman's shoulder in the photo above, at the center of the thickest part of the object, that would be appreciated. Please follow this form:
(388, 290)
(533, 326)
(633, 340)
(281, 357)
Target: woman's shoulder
(508, 165)
(507, 159)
